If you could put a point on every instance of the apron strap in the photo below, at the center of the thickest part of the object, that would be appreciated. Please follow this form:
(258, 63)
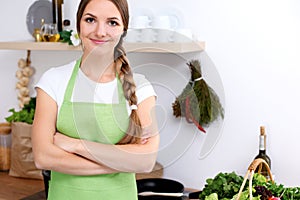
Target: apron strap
(71, 83)
(121, 95)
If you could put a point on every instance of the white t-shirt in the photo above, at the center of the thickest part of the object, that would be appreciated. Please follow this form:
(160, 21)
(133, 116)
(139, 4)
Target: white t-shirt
(55, 80)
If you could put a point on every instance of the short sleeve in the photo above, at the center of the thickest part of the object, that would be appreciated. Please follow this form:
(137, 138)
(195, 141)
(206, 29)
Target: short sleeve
(54, 82)
(144, 88)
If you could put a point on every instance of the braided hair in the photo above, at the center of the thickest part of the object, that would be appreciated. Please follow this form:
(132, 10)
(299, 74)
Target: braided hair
(134, 130)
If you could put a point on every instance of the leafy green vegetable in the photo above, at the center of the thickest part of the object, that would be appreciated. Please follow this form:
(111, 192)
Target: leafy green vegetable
(25, 115)
(264, 193)
(213, 196)
(65, 36)
(285, 193)
(245, 195)
(226, 185)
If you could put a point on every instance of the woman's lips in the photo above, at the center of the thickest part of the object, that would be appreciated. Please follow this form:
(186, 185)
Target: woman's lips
(98, 41)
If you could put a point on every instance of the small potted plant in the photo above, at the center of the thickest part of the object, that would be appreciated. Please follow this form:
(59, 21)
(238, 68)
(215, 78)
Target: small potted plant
(25, 115)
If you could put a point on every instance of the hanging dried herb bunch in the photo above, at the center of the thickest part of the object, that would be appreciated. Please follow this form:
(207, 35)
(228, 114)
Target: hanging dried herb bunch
(198, 102)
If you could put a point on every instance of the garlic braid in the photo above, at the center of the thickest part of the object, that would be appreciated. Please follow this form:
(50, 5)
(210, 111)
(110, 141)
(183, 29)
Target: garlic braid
(134, 130)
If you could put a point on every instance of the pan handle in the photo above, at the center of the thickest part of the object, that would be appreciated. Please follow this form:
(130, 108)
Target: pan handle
(194, 195)
(149, 193)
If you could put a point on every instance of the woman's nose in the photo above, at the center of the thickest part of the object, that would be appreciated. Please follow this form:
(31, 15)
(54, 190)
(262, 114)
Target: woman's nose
(101, 30)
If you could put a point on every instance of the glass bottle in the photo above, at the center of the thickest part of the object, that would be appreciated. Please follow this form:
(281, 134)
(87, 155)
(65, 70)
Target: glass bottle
(57, 8)
(262, 151)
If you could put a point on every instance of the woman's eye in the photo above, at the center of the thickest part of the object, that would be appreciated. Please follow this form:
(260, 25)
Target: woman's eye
(113, 23)
(90, 20)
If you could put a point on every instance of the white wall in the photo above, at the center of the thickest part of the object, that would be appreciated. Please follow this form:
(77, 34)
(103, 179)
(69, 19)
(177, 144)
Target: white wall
(254, 47)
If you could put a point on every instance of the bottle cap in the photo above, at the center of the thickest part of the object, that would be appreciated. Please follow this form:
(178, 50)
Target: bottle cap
(262, 130)
(66, 22)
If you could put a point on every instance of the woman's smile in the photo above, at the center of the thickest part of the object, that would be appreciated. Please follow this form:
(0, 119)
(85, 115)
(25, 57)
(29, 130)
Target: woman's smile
(99, 41)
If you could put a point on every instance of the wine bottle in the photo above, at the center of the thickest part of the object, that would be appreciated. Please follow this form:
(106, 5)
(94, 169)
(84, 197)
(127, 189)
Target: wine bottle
(262, 151)
(57, 6)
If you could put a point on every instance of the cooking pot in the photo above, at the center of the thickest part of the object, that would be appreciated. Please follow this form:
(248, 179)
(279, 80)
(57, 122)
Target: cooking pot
(162, 189)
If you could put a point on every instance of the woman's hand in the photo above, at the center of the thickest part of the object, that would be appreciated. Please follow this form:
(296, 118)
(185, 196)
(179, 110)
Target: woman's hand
(64, 142)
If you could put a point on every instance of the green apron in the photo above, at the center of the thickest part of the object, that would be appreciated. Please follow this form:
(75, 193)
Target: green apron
(104, 123)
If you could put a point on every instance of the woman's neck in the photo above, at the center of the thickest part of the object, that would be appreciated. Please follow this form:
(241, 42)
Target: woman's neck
(98, 68)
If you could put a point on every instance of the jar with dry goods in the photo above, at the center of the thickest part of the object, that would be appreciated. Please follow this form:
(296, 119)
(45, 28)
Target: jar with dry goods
(5, 146)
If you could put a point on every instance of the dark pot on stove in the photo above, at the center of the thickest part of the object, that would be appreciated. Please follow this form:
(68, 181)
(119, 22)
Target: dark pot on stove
(161, 185)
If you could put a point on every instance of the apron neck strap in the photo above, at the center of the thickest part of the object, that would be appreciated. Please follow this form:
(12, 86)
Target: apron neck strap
(70, 86)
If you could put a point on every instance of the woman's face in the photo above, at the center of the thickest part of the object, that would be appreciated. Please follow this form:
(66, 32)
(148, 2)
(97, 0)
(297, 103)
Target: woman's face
(101, 27)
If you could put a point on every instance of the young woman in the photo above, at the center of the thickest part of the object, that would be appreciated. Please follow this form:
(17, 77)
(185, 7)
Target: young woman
(94, 125)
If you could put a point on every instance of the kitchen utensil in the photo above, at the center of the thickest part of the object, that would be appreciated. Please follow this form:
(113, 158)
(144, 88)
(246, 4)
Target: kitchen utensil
(140, 11)
(139, 22)
(164, 35)
(163, 22)
(41, 9)
(148, 35)
(170, 194)
(183, 35)
(161, 188)
(161, 195)
(133, 35)
(175, 15)
(159, 185)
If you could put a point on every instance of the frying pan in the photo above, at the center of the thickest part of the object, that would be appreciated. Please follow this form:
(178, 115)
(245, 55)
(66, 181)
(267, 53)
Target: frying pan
(164, 186)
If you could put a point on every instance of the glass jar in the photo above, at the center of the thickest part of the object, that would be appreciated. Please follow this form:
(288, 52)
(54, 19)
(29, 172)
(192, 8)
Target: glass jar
(50, 33)
(5, 146)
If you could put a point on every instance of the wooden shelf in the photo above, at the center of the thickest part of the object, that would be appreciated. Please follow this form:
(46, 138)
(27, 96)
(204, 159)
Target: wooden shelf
(165, 47)
(130, 47)
(38, 46)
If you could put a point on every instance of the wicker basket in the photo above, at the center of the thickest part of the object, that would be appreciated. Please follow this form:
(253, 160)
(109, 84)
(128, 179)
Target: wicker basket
(251, 169)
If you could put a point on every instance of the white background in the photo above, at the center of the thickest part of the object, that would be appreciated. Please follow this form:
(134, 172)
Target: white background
(254, 46)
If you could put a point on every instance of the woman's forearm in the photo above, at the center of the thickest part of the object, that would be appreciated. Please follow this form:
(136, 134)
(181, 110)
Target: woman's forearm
(65, 162)
(126, 158)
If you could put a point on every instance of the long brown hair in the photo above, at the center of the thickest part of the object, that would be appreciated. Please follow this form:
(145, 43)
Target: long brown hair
(134, 130)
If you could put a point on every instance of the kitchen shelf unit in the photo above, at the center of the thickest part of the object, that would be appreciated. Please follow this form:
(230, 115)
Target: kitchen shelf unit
(186, 47)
